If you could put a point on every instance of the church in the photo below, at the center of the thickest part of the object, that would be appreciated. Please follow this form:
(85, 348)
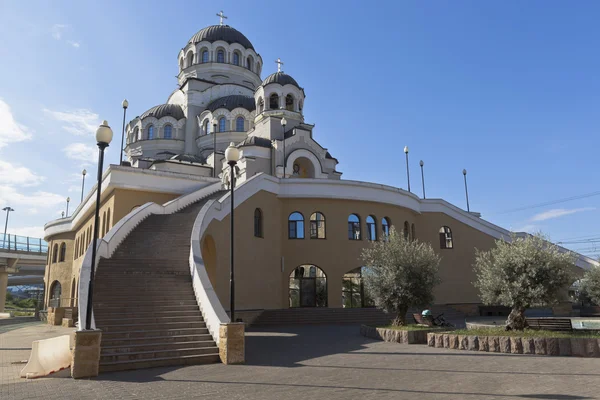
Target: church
(162, 280)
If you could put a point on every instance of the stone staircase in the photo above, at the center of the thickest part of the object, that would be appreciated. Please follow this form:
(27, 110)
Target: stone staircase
(144, 301)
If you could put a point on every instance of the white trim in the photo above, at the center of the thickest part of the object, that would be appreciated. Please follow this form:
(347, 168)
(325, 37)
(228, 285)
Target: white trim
(294, 155)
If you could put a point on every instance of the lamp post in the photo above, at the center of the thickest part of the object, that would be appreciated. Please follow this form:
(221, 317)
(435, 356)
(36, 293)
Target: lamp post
(83, 183)
(232, 156)
(283, 124)
(8, 211)
(214, 123)
(421, 163)
(125, 104)
(104, 136)
(68, 200)
(407, 173)
(466, 191)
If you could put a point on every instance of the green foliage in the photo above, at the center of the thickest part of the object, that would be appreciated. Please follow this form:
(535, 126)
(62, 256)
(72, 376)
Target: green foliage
(414, 327)
(9, 296)
(590, 286)
(523, 273)
(26, 303)
(401, 273)
(527, 333)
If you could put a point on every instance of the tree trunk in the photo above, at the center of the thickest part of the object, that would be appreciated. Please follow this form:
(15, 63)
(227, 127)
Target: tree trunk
(400, 319)
(516, 319)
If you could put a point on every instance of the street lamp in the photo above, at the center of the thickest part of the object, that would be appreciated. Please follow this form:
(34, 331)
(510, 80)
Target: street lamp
(8, 211)
(214, 122)
(407, 173)
(232, 156)
(83, 183)
(283, 124)
(125, 104)
(421, 163)
(466, 191)
(68, 200)
(104, 136)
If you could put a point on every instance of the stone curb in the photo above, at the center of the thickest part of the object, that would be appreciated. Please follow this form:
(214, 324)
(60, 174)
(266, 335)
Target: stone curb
(573, 347)
(397, 336)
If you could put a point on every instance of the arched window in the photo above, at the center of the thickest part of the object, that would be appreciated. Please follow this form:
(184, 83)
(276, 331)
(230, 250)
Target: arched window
(413, 233)
(103, 226)
(317, 226)
(236, 58)
(55, 292)
(205, 56)
(308, 287)
(181, 63)
(239, 124)
(73, 295)
(222, 124)
(371, 228)
(258, 223)
(446, 238)
(406, 230)
(385, 227)
(354, 293)
(354, 227)
(205, 127)
(151, 132)
(220, 56)
(261, 105)
(75, 250)
(108, 225)
(189, 59)
(249, 62)
(168, 134)
(296, 226)
(136, 133)
(55, 253)
(274, 102)
(289, 102)
(300, 106)
(63, 252)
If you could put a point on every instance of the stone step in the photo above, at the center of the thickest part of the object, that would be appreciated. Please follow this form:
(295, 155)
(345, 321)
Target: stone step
(157, 288)
(102, 297)
(125, 309)
(146, 327)
(117, 319)
(135, 313)
(156, 332)
(157, 354)
(155, 339)
(156, 346)
(160, 362)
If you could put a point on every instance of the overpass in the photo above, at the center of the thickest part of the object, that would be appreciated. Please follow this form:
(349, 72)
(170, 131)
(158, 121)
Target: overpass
(22, 262)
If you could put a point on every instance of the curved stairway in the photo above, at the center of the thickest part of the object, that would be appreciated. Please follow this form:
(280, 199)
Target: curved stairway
(144, 301)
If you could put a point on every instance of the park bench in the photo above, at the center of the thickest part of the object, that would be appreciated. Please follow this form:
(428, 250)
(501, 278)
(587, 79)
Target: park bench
(550, 324)
(429, 320)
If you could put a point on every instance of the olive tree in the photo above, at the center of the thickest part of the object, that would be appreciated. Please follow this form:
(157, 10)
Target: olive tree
(401, 273)
(521, 273)
(590, 286)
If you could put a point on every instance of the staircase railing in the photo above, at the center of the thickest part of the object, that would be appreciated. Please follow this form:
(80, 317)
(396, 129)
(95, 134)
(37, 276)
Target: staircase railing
(109, 243)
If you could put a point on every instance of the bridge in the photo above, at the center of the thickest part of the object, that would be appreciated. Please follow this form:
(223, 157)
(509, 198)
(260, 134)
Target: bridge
(22, 262)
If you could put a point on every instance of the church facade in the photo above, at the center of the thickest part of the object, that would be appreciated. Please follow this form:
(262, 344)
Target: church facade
(299, 227)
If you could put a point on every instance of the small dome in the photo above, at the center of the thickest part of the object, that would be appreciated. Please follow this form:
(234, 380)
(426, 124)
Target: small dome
(256, 141)
(164, 110)
(281, 78)
(232, 102)
(221, 32)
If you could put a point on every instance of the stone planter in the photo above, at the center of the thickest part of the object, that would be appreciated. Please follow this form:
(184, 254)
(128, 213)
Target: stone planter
(425, 336)
(573, 347)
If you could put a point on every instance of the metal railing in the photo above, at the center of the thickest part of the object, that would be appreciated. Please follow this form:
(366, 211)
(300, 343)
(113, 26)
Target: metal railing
(23, 243)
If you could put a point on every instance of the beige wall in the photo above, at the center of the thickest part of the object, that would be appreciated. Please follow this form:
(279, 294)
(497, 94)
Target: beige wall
(261, 283)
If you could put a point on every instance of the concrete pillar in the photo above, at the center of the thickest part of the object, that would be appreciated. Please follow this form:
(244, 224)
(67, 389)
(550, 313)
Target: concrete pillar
(3, 287)
(232, 341)
(86, 354)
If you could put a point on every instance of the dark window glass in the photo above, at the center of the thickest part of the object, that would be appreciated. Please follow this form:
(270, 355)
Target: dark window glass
(354, 227)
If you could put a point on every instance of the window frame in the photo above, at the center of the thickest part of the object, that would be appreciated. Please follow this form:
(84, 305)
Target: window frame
(374, 227)
(272, 96)
(150, 131)
(204, 56)
(170, 131)
(258, 223)
(446, 238)
(316, 222)
(221, 53)
(222, 124)
(294, 224)
(351, 227)
(237, 124)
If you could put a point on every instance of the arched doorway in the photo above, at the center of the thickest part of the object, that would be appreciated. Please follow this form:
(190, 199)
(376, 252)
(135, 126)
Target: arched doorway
(55, 292)
(73, 294)
(308, 287)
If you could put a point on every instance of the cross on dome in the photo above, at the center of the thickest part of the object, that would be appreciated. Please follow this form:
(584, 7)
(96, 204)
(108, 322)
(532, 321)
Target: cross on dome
(221, 16)
(279, 64)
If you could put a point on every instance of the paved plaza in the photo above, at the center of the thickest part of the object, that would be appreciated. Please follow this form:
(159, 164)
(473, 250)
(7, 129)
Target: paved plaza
(314, 362)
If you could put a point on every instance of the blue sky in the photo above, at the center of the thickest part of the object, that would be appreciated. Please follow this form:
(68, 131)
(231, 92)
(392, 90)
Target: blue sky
(508, 90)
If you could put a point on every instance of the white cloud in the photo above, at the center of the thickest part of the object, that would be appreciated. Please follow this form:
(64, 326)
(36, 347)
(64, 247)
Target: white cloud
(13, 174)
(529, 228)
(29, 202)
(74, 43)
(81, 152)
(78, 122)
(558, 212)
(10, 130)
(57, 30)
(31, 231)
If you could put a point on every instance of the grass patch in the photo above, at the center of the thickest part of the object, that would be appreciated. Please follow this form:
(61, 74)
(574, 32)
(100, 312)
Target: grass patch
(527, 333)
(23, 313)
(412, 327)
